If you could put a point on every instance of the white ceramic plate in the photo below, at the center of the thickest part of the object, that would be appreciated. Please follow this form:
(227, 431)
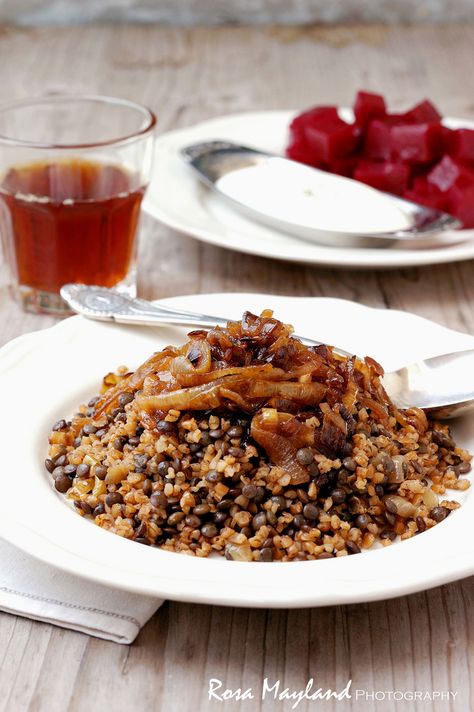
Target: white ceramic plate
(177, 198)
(46, 374)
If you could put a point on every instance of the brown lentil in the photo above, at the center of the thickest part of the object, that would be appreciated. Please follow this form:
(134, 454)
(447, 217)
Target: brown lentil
(304, 456)
(147, 488)
(209, 531)
(249, 491)
(62, 483)
(439, 513)
(59, 425)
(82, 470)
(113, 498)
(159, 500)
(352, 547)
(310, 511)
(125, 398)
(463, 468)
(89, 429)
(175, 518)
(100, 471)
(235, 431)
(201, 509)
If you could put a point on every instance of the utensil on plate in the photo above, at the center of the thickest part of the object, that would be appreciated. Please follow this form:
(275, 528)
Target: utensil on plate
(322, 207)
(108, 305)
(442, 385)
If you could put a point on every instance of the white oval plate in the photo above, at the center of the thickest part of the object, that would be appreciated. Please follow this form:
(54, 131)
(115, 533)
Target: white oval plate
(178, 199)
(46, 374)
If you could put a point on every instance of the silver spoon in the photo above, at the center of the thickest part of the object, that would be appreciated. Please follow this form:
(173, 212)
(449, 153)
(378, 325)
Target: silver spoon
(443, 385)
(304, 201)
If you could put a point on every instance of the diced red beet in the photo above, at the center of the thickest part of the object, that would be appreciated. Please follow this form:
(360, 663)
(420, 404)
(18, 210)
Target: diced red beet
(427, 194)
(448, 139)
(448, 173)
(377, 140)
(297, 150)
(389, 177)
(398, 150)
(428, 200)
(344, 166)
(377, 144)
(461, 200)
(462, 145)
(423, 113)
(416, 143)
(313, 116)
(368, 106)
(298, 153)
(330, 139)
(421, 169)
(396, 119)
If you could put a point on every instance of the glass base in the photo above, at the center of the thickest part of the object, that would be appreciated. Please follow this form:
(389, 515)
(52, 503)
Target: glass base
(37, 301)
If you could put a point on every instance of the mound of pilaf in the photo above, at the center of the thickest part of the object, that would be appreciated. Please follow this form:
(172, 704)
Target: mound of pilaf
(248, 443)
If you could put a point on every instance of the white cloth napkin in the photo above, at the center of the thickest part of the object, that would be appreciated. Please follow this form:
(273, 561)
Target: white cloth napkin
(36, 590)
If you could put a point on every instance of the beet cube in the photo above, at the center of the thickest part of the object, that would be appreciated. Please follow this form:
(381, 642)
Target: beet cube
(330, 139)
(449, 137)
(389, 177)
(313, 116)
(416, 143)
(448, 173)
(344, 166)
(377, 140)
(427, 194)
(461, 199)
(424, 113)
(368, 106)
(463, 144)
(297, 150)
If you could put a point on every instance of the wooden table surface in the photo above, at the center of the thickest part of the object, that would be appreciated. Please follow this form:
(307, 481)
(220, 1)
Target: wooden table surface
(422, 642)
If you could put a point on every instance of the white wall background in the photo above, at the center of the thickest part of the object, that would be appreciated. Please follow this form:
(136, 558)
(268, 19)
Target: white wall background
(188, 12)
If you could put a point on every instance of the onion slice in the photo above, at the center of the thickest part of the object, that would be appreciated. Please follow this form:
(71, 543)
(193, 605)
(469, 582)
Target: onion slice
(281, 435)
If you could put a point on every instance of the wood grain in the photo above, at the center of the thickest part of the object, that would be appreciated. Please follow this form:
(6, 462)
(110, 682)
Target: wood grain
(421, 642)
(250, 12)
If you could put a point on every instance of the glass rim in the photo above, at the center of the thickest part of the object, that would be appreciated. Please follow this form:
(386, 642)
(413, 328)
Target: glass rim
(149, 115)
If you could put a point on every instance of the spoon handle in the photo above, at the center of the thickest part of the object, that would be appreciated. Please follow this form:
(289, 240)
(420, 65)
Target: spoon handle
(108, 305)
(139, 311)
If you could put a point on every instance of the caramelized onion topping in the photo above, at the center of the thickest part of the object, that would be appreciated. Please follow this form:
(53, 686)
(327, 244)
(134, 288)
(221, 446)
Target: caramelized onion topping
(281, 435)
(255, 366)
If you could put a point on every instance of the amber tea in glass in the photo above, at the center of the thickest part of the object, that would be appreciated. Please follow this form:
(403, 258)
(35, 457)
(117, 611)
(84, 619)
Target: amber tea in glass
(70, 213)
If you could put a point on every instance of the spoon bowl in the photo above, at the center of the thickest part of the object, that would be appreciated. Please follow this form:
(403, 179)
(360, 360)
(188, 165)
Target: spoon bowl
(315, 205)
(443, 385)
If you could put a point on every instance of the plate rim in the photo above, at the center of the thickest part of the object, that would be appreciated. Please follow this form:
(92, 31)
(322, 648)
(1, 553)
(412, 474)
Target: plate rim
(458, 566)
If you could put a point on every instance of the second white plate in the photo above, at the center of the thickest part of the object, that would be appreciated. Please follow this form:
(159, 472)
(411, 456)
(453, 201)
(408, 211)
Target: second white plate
(178, 199)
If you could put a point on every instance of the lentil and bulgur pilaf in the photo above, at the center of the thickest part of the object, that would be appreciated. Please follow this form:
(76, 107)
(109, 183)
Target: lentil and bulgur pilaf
(247, 443)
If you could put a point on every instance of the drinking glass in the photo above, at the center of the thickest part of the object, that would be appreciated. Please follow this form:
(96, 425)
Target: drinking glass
(73, 172)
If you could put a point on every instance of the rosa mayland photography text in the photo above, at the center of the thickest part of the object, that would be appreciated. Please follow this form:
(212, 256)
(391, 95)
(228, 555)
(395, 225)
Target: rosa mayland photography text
(277, 692)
